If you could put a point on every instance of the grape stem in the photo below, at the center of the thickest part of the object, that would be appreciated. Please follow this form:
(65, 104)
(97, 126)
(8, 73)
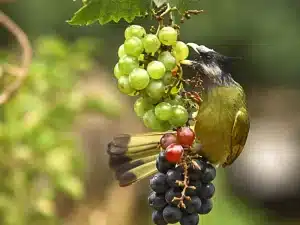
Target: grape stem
(172, 18)
(158, 28)
(184, 184)
(168, 10)
(194, 96)
(177, 75)
(187, 14)
(160, 15)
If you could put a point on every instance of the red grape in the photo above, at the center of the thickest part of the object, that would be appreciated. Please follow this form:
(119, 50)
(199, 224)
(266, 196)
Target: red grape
(174, 153)
(185, 136)
(167, 139)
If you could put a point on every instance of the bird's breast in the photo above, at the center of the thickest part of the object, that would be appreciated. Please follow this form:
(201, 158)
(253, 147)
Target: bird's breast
(215, 121)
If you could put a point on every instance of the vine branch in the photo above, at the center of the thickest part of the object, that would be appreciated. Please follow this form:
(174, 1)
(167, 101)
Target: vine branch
(22, 71)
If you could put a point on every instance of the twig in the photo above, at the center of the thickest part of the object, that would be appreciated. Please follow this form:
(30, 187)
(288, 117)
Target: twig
(187, 14)
(21, 71)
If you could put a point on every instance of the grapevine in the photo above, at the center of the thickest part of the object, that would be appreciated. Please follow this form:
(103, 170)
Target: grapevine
(150, 69)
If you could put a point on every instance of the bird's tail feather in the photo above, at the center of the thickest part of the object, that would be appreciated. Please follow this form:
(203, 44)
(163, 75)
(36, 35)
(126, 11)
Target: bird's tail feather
(133, 157)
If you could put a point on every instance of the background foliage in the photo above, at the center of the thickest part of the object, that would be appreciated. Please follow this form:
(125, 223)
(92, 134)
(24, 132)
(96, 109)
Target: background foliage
(39, 150)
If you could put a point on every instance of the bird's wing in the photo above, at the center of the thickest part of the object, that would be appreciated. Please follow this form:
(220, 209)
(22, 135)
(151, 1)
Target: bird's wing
(239, 134)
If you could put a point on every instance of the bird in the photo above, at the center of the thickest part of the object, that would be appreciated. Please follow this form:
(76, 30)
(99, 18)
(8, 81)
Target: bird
(221, 126)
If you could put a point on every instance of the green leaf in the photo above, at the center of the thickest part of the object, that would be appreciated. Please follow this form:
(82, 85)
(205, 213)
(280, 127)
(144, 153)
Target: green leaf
(182, 5)
(86, 15)
(105, 11)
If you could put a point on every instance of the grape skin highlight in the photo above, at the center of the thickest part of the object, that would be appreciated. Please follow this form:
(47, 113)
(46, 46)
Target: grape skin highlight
(124, 86)
(168, 36)
(180, 51)
(121, 51)
(155, 89)
(127, 64)
(168, 60)
(141, 106)
(179, 117)
(117, 71)
(134, 31)
(163, 111)
(133, 46)
(156, 69)
(139, 79)
(151, 43)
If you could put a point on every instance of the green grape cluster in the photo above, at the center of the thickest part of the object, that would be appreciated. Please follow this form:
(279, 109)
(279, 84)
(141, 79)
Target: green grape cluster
(149, 67)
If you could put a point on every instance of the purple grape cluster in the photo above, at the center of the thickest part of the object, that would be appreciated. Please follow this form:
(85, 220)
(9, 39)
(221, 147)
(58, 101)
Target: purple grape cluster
(167, 189)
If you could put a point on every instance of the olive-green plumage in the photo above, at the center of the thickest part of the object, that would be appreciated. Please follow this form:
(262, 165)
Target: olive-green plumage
(222, 124)
(221, 128)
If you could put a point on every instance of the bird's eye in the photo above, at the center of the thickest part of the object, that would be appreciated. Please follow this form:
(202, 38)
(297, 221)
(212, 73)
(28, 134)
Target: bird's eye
(206, 56)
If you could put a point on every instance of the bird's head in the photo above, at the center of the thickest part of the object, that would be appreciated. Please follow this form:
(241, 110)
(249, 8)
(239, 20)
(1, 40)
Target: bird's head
(210, 63)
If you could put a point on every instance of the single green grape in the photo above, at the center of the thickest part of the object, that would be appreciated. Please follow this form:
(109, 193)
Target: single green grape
(134, 31)
(167, 36)
(151, 43)
(152, 122)
(139, 78)
(124, 86)
(121, 51)
(117, 71)
(168, 78)
(127, 64)
(168, 60)
(133, 46)
(155, 89)
(141, 106)
(156, 69)
(179, 116)
(163, 111)
(180, 51)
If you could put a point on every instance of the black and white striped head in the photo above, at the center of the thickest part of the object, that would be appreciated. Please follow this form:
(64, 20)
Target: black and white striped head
(210, 63)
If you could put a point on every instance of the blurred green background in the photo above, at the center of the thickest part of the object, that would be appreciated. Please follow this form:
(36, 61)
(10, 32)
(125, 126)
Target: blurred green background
(70, 62)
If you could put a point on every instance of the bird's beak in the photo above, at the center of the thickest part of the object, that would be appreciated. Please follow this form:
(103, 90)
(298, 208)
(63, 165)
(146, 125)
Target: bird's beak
(194, 46)
(197, 49)
(187, 62)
